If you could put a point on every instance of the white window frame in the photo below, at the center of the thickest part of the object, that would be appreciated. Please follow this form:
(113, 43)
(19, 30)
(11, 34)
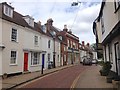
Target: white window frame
(8, 11)
(49, 43)
(36, 40)
(13, 57)
(35, 60)
(14, 39)
(102, 25)
(49, 56)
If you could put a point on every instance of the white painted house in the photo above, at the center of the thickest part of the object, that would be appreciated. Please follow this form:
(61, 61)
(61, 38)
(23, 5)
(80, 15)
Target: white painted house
(24, 44)
(108, 26)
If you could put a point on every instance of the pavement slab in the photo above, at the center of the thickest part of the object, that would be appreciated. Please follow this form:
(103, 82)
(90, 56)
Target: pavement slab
(91, 78)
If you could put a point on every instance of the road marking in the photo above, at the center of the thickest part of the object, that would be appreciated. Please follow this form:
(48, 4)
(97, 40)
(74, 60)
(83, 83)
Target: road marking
(74, 82)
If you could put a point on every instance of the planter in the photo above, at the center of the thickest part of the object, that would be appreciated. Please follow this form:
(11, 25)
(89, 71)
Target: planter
(4, 76)
(103, 72)
(109, 79)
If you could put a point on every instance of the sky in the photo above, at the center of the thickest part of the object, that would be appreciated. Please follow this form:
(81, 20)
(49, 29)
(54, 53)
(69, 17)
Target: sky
(79, 19)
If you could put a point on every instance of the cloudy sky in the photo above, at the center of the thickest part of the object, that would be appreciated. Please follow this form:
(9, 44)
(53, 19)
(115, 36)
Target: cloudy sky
(77, 18)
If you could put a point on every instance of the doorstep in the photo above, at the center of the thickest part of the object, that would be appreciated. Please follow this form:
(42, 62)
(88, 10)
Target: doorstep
(116, 84)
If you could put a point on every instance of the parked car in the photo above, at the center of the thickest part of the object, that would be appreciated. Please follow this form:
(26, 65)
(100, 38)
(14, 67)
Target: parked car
(94, 61)
(87, 61)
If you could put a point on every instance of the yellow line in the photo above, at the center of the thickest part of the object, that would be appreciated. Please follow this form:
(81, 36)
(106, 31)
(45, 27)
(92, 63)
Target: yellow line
(74, 82)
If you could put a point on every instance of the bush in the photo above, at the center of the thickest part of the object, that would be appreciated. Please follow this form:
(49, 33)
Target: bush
(105, 68)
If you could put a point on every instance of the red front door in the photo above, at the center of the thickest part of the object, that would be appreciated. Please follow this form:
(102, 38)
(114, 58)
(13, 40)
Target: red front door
(25, 61)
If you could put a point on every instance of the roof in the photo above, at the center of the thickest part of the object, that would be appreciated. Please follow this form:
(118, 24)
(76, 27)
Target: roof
(101, 9)
(19, 20)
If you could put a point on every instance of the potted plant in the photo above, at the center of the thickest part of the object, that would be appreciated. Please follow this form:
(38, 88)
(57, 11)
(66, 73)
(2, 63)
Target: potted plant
(105, 68)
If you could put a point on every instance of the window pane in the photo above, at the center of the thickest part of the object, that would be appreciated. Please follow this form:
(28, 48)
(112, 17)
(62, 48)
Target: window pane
(13, 57)
(35, 58)
(14, 35)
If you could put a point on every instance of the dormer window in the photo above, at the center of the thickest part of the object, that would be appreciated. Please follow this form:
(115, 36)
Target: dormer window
(44, 28)
(8, 11)
(29, 20)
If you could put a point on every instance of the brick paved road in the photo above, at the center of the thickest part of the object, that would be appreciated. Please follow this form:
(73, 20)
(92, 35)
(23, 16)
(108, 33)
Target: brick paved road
(61, 79)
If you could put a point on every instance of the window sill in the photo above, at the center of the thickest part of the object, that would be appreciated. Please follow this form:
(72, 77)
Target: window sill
(35, 65)
(14, 41)
(13, 65)
(36, 46)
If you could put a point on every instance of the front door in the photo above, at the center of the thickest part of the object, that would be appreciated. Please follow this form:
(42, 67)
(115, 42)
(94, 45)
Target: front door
(25, 61)
(43, 59)
(117, 58)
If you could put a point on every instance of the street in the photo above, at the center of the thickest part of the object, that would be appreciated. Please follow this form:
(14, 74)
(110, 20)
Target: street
(61, 79)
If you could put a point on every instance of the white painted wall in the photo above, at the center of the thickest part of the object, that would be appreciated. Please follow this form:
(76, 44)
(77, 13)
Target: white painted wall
(0, 49)
(29, 44)
(7, 28)
(57, 50)
(109, 22)
(117, 39)
(94, 55)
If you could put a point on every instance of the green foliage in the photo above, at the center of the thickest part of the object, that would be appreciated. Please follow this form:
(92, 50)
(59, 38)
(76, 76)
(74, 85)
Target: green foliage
(106, 66)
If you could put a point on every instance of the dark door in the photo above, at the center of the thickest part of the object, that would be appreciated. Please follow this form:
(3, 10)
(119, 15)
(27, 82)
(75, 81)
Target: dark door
(43, 59)
(117, 56)
(25, 61)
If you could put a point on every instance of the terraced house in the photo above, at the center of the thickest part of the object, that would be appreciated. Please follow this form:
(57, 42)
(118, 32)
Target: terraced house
(26, 45)
(107, 30)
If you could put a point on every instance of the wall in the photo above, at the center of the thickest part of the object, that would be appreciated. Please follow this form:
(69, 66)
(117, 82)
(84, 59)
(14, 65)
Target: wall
(57, 50)
(12, 46)
(108, 22)
(0, 49)
(117, 39)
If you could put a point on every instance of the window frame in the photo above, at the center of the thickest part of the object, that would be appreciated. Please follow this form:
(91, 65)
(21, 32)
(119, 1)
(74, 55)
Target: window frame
(36, 40)
(8, 11)
(15, 63)
(35, 60)
(48, 56)
(49, 43)
(13, 37)
(102, 25)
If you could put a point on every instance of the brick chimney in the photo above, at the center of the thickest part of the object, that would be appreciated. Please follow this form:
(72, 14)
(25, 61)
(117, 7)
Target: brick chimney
(65, 28)
(50, 22)
(39, 23)
(83, 43)
(88, 45)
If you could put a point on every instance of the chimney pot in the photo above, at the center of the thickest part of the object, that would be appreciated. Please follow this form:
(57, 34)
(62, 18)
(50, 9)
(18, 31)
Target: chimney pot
(65, 28)
(83, 43)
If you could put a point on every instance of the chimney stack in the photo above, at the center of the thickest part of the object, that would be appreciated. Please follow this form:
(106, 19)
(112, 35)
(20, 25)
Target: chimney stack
(83, 43)
(39, 23)
(88, 44)
(65, 28)
(50, 22)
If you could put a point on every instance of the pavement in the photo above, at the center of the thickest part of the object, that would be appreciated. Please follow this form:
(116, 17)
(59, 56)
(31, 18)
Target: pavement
(91, 78)
(14, 81)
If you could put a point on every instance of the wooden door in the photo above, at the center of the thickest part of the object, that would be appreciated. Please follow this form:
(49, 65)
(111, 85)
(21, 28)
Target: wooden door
(25, 61)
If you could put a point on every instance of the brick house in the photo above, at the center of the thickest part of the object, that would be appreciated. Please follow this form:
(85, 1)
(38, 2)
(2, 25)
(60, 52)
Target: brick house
(69, 47)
